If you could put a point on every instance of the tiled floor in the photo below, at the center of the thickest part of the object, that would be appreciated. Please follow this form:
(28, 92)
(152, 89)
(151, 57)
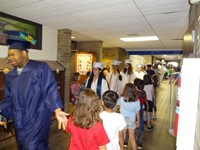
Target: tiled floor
(158, 139)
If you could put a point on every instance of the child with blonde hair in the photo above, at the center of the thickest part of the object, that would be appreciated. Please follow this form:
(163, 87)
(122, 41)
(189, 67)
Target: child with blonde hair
(85, 125)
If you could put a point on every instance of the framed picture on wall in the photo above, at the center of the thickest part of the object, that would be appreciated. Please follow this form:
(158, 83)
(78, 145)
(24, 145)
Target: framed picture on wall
(84, 63)
(8, 22)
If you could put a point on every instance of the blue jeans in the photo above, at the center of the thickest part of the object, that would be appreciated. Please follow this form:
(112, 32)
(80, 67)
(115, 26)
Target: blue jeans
(139, 131)
(141, 118)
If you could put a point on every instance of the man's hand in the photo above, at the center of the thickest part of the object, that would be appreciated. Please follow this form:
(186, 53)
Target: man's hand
(61, 117)
(2, 123)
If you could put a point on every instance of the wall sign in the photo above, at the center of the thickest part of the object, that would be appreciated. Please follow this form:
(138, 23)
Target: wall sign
(84, 63)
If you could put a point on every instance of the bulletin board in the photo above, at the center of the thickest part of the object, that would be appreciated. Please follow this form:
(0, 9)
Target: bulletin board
(83, 63)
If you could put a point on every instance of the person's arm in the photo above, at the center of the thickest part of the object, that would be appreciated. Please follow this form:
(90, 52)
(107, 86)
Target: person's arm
(138, 119)
(147, 104)
(145, 98)
(52, 98)
(121, 140)
(2, 123)
(154, 94)
(104, 86)
(61, 117)
(102, 147)
(117, 106)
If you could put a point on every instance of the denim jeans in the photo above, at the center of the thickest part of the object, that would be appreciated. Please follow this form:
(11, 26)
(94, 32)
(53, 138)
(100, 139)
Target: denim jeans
(141, 119)
(139, 131)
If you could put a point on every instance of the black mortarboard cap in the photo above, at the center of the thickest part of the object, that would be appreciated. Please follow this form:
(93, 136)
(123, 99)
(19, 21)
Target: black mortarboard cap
(19, 40)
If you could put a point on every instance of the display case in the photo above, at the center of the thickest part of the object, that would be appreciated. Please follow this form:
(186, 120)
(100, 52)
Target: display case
(59, 74)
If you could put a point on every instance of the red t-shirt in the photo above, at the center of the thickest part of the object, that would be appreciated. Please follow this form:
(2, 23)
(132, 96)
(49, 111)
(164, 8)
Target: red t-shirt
(86, 139)
(141, 95)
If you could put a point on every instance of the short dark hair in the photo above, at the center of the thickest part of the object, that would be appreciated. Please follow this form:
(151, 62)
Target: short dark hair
(75, 76)
(110, 99)
(147, 79)
(139, 83)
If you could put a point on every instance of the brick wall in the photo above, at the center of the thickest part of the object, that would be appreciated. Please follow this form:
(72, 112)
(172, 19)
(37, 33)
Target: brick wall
(92, 46)
(64, 57)
(114, 53)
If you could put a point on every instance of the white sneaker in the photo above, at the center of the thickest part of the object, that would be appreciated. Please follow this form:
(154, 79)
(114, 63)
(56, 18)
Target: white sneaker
(154, 117)
(139, 146)
(125, 145)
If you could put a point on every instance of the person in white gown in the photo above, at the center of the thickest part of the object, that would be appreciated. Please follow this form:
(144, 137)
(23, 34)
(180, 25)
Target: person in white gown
(116, 79)
(97, 81)
(140, 72)
(128, 71)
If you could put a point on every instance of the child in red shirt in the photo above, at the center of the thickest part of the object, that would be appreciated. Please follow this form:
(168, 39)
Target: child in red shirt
(85, 126)
(141, 96)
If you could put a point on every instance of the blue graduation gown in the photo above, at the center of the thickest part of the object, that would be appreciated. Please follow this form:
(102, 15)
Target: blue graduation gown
(29, 100)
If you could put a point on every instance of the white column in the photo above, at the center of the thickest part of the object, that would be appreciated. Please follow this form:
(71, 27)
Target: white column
(190, 82)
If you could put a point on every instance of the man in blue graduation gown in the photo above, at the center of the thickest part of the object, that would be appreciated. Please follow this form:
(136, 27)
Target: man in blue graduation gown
(30, 96)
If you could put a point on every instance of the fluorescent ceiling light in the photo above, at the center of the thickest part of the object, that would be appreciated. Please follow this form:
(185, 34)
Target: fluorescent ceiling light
(142, 38)
(72, 37)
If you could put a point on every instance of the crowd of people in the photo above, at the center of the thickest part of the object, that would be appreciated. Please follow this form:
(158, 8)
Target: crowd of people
(128, 105)
(111, 107)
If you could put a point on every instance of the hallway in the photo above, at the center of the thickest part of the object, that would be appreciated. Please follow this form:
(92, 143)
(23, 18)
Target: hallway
(160, 138)
(157, 139)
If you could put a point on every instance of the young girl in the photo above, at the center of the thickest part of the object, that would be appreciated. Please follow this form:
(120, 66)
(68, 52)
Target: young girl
(151, 99)
(75, 87)
(141, 96)
(85, 125)
(116, 79)
(130, 109)
(155, 84)
(97, 81)
(128, 71)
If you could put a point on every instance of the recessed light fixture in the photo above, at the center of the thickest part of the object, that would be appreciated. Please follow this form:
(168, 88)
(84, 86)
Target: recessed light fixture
(141, 38)
(72, 37)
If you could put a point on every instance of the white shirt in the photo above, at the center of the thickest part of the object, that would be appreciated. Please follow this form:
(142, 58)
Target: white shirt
(113, 123)
(140, 74)
(149, 91)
